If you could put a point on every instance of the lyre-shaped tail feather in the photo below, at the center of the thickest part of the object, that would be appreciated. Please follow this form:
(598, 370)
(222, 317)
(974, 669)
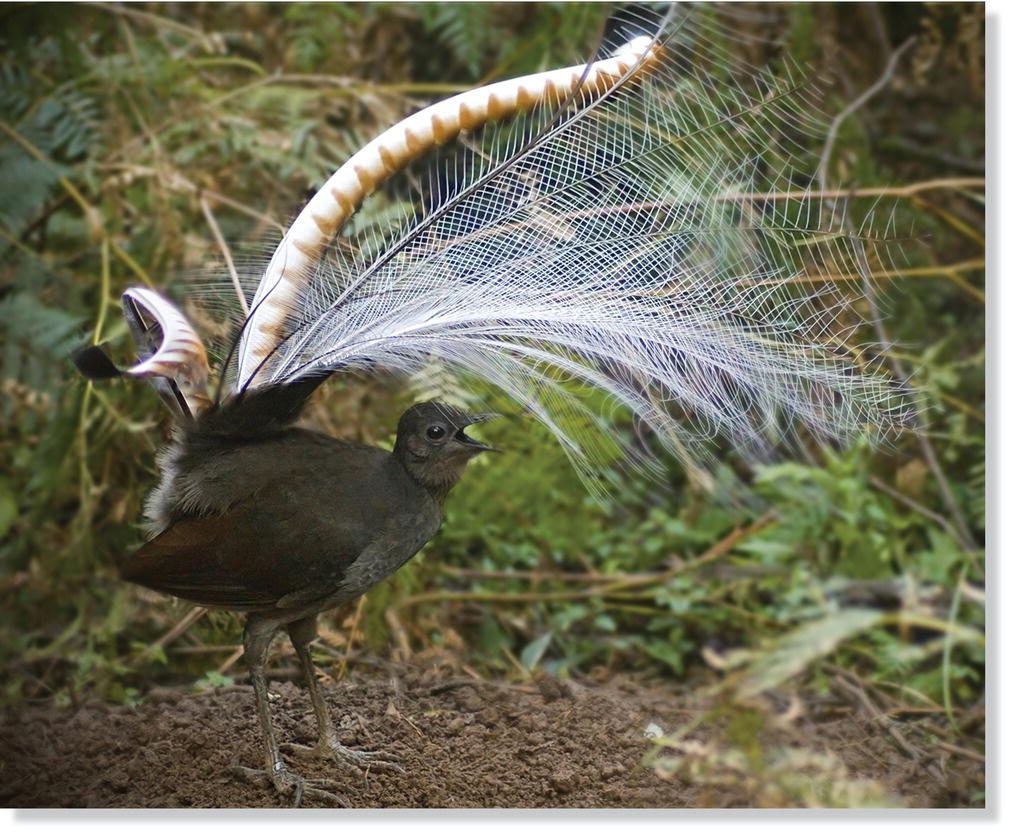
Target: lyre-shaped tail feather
(620, 248)
(292, 264)
(170, 353)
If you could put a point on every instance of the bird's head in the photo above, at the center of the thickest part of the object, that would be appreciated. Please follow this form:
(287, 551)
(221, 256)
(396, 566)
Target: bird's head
(432, 446)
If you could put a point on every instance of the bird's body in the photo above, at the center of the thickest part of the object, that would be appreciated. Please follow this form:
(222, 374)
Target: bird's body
(282, 523)
(286, 522)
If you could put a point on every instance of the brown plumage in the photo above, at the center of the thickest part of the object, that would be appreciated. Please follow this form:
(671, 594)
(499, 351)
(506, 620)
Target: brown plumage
(281, 523)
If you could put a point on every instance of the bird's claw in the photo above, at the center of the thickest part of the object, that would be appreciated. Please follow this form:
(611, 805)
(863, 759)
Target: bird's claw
(286, 783)
(358, 759)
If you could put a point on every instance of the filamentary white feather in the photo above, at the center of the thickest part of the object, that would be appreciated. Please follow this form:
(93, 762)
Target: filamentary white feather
(619, 249)
(290, 267)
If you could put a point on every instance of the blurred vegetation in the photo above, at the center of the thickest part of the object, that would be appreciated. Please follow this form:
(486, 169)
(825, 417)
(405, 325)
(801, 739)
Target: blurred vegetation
(126, 131)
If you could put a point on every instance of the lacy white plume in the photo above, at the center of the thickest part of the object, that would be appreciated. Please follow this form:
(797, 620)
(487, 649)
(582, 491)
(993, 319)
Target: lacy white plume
(615, 250)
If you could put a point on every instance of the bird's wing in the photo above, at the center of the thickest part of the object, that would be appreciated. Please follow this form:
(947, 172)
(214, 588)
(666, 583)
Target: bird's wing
(191, 560)
(243, 559)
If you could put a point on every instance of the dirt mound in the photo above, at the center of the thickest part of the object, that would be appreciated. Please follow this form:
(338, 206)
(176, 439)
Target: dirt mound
(463, 742)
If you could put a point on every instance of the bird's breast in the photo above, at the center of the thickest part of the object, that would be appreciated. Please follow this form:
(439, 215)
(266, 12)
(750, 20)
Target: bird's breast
(396, 543)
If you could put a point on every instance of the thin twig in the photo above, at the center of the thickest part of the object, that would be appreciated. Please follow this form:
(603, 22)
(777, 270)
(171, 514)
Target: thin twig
(835, 125)
(204, 649)
(404, 649)
(950, 271)
(947, 668)
(351, 87)
(856, 692)
(226, 253)
(917, 507)
(516, 663)
(540, 576)
(353, 633)
(954, 183)
(174, 633)
(617, 587)
(158, 21)
(174, 180)
(92, 215)
(952, 221)
(964, 536)
(917, 710)
(231, 660)
(960, 750)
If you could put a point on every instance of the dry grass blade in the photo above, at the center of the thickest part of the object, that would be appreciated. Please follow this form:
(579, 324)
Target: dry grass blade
(798, 649)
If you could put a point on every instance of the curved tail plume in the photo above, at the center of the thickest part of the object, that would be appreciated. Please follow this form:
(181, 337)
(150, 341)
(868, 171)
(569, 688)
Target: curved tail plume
(636, 232)
(291, 266)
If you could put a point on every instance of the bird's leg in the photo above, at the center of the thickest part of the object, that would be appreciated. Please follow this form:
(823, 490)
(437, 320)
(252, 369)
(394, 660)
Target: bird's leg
(256, 641)
(302, 632)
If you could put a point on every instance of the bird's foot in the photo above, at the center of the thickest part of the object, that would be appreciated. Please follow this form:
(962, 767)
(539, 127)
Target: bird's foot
(358, 759)
(287, 783)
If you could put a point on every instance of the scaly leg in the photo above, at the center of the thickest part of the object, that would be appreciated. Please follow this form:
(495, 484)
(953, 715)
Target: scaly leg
(256, 641)
(302, 632)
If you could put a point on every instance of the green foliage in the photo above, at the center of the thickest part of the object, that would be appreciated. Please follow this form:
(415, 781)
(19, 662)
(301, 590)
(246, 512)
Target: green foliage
(481, 36)
(212, 680)
(59, 122)
(464, 28)
(834, 535)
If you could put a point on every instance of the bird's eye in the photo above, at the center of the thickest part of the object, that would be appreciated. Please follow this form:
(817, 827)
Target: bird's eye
(436, 432)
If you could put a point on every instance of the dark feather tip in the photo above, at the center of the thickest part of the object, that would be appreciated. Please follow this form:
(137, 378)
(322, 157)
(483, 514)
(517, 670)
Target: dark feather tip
(93, 363)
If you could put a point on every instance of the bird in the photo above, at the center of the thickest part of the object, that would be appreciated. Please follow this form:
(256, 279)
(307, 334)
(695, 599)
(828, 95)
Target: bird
(281, 523)
(606, 232)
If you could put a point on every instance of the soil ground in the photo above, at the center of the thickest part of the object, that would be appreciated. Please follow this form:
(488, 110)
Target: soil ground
(463, 743)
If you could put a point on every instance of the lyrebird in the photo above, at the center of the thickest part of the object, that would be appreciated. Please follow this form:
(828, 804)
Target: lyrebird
(610, 237)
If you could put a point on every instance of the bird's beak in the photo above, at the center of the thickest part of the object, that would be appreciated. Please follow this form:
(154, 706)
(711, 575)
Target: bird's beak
(473, 444)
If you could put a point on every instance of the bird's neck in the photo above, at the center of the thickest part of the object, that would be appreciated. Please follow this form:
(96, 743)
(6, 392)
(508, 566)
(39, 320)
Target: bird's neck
(436, 478)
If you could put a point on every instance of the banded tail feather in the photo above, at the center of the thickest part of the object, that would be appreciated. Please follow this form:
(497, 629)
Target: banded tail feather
(639, 226)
